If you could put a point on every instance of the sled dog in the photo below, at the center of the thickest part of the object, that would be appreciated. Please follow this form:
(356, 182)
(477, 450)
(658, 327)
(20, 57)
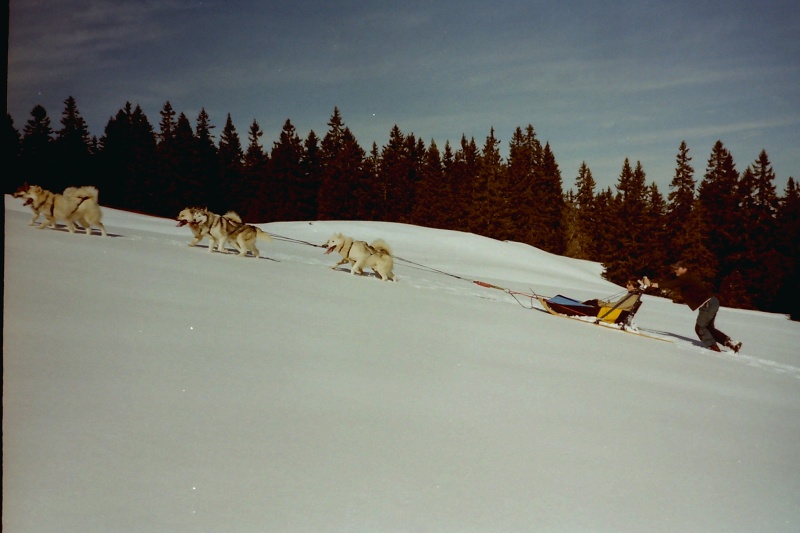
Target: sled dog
(186, 218)
(376, 256)
(221, 228)
(76, 204)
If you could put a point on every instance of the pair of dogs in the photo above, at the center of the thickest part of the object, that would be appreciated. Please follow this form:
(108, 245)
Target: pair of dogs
(222, 228)
(229, 227)
(75, 204)
(376, 256)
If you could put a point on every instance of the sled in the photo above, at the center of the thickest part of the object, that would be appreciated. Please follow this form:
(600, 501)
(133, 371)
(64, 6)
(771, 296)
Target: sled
(620, 312)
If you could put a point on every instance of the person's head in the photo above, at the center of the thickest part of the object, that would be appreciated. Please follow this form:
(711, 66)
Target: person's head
(632, 284)
(679, 268)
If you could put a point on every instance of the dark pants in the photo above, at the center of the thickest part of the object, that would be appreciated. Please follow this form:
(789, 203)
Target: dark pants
(704, 327)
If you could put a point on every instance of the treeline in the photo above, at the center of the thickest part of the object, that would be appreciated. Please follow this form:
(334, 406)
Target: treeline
(734, 227)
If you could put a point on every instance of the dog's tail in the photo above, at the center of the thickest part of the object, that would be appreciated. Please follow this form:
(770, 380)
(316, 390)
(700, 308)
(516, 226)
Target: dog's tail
(233, 215)
(381, 246)
(87, 191)
(262, 235)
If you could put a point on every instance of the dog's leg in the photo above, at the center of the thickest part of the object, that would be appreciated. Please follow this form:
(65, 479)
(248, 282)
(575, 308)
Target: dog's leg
(241, 245)
(102, 228)
(46, 223)
(358, 267)
(343, 261)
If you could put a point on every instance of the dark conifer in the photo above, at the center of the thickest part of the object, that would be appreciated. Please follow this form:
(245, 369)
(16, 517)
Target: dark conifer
(582, 233)
(231, 165)
(73, 150)
(37, 151)
(287, 173)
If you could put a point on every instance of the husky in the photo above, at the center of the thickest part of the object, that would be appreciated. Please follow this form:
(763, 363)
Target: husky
(376, 256)
(186, 218)
(221, 228)
(76, 204)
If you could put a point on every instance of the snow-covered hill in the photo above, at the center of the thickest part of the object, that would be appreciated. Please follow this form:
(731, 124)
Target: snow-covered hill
(150, 386)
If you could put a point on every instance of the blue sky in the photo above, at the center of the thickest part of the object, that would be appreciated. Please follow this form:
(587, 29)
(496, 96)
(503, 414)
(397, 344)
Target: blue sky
(600, 82)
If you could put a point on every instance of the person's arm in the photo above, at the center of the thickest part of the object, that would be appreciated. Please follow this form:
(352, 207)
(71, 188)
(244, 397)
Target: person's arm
(669, 284)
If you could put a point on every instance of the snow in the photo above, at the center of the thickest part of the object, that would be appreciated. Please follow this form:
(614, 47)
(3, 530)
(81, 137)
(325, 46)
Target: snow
(151, 386)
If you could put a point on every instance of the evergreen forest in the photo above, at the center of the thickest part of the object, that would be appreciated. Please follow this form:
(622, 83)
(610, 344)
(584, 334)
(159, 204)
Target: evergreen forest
(732, 226)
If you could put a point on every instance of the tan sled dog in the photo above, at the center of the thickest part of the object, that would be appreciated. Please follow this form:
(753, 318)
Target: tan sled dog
(76, 204)
(376, 256)
(222, 228)
(186, 218)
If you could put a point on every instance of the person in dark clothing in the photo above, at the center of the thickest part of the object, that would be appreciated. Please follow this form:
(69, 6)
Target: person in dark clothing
(698, 297)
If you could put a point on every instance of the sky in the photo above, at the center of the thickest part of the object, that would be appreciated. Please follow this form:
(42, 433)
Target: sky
(150, 386)
(601, 82)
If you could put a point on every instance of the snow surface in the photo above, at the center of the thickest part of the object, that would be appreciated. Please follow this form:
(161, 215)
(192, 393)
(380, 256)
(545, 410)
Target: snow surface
(150, 386)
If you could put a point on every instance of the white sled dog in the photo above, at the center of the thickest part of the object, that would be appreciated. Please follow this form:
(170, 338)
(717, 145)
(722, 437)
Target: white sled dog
(221, 228)
(376, 256)
(76, 204)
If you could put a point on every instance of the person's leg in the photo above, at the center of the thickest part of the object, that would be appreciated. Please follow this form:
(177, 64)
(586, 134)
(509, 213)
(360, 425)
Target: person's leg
(705, 317)
(719, 336)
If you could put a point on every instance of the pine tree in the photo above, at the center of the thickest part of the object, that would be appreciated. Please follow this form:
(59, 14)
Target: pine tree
(166, 161)
(629, 213)
(207, 162)
(760, 263)
(395, 178)
(167, 124)
(449, 216)
(128, 163)
(287, 173)
(718, 195)
(73, 149)
(254, 172)
(582, 235)
(680, 200)
(656, 233)
(231, 164)
(490, 201)
(548, 190)
(787, 232)
(187, 184)
(342, 169)
(462, 172)
(37, 151)
(523, 169)
(312, 175)
(605, 232)
(432, 192)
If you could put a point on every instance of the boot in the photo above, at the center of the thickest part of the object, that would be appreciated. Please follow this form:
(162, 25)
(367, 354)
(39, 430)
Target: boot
(714, 348)
(735, 346)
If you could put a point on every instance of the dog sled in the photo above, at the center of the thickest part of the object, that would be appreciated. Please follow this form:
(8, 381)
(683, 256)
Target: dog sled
(619, 312)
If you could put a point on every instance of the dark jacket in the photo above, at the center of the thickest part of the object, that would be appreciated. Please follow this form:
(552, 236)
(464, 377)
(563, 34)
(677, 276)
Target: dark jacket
(693, 291)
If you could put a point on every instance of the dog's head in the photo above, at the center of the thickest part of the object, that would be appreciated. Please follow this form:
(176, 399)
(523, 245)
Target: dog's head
(199, 216)
(185, 217)
(28, 192)
(189, 216)
(22, 191)
(336, 240)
